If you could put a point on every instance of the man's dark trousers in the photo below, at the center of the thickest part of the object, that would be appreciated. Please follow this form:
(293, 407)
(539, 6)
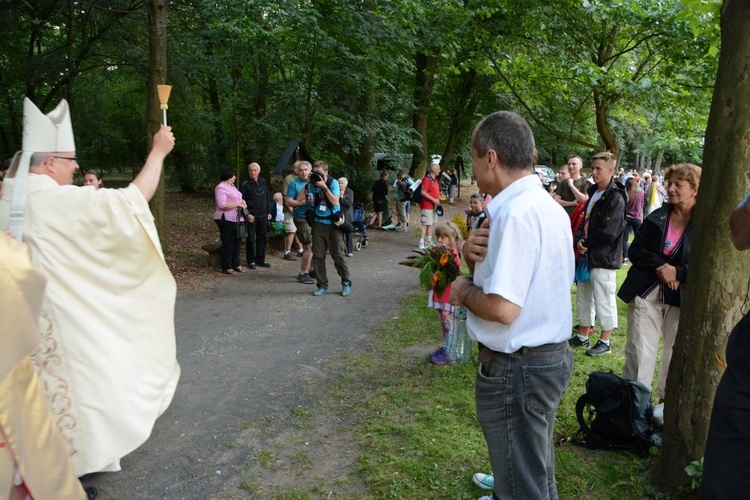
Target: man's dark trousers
(257, 237)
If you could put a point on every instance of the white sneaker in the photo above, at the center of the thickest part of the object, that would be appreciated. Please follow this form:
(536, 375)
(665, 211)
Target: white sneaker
(484, 481)
(421, 245)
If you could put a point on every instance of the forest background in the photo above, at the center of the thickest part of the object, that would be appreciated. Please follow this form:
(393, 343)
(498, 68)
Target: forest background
(410, 78)
(352, 78)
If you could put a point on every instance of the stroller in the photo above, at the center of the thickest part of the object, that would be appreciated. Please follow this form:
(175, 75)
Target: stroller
(360, 226)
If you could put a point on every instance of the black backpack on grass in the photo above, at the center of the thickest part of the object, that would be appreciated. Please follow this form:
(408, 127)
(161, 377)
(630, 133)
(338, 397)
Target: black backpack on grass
(618, 416)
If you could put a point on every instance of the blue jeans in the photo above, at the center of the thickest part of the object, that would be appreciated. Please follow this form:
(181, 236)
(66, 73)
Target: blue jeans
(631, 226)
(517, 396)
(349, 242)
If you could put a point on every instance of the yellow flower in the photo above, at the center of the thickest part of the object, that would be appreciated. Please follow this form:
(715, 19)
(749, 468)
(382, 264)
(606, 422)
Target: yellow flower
(435, 278)
(444, 259)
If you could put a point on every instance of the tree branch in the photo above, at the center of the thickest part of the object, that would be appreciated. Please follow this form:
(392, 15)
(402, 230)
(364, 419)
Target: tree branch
(532, 114)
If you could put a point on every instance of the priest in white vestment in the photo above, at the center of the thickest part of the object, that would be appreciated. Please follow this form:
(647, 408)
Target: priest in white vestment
(108, 355)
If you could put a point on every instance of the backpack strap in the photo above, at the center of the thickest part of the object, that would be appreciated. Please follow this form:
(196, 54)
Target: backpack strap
(580, 405)
(318, 197)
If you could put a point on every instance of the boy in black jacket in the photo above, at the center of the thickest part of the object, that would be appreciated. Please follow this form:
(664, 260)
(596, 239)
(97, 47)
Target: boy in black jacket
(599, 239)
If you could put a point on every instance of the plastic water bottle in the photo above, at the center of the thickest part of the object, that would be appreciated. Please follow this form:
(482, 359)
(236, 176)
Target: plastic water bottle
(460, 345)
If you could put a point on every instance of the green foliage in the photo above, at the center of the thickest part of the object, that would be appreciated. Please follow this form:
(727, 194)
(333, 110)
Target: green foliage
(580, 60)
(249, 77)
(695, 471)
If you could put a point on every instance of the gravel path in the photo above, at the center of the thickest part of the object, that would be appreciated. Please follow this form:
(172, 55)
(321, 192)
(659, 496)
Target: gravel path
(249, 345)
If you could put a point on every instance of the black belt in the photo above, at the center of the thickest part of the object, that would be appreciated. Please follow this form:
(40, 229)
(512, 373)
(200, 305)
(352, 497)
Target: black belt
(486, 354)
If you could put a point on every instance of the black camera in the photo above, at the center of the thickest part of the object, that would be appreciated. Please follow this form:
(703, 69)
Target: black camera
(340, 221)
(315, 177)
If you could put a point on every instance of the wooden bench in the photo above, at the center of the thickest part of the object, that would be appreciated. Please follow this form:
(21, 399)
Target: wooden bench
(275, 241)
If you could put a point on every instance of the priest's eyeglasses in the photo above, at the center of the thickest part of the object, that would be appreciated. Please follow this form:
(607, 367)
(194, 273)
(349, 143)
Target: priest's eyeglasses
(74, 159)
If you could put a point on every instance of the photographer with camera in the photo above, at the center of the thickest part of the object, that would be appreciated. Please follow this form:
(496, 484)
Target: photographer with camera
(327, 227)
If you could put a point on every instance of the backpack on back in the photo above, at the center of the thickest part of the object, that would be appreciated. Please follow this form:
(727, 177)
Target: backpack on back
(416, 189)
(404, 193)
(619, 414)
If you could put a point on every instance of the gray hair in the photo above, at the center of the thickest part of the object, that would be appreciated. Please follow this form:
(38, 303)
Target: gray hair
(509, 136)
(343, 180)
(37, 158)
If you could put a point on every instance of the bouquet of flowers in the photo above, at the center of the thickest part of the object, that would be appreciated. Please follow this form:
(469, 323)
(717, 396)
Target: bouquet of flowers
(437, 267)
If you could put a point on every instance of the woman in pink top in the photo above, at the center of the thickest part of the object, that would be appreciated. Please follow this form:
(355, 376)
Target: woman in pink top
(227, 215)
(633, 214)
(657, 278)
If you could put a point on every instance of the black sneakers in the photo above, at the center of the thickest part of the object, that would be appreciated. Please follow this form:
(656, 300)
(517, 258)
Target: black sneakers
(306, 279)
(599, 349)
(575, 341)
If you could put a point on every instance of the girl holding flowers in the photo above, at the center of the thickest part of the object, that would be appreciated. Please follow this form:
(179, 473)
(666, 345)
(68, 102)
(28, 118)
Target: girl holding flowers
(447, 265)
(439, 265)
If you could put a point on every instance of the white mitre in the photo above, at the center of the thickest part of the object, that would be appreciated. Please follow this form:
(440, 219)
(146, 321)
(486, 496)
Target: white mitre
(51, 133)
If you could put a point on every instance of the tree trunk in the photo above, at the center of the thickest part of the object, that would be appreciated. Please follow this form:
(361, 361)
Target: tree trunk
(157, 75)
(717, 286)
(213, 96)
(659, 159)
(466, 105)
(362, 157)
(425, 82)
(71, 59)
(311, 100)
(603, 126)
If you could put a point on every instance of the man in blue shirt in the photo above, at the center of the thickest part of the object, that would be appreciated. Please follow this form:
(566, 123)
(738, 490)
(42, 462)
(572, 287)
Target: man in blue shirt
(300, 200)
(326, 235)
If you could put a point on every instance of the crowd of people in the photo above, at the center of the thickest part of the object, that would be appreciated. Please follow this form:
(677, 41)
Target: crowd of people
(105, 404)
(315, 212)
(511, 315)
(247, 214)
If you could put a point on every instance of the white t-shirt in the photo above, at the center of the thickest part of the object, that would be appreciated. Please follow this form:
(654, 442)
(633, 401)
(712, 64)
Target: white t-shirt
(594, 198)
(529, 263)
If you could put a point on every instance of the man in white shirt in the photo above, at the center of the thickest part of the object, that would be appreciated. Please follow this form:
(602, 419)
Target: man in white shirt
(519, 308)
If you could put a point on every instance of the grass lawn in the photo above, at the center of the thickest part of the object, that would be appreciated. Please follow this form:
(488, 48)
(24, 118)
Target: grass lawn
(418, 427)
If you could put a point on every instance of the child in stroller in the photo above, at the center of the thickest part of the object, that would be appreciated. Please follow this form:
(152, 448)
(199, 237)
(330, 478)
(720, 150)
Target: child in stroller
(359, 225)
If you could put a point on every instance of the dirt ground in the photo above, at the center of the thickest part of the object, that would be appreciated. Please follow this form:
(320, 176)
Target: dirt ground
(254, 416)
